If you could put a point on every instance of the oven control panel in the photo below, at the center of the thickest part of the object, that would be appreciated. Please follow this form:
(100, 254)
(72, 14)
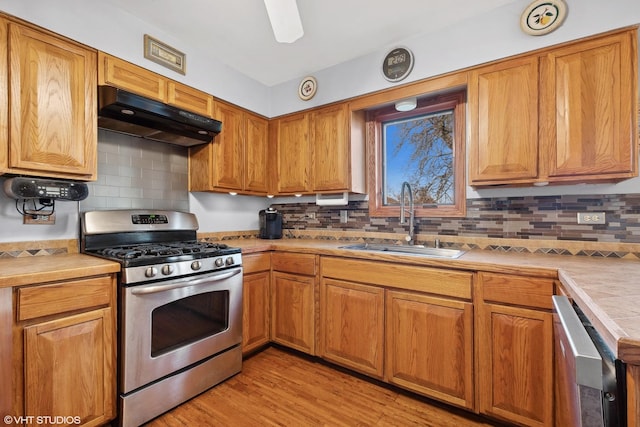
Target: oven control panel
(180, 269)
(149, 219)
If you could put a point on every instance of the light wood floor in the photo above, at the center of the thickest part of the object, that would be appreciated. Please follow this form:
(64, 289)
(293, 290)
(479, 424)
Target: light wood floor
(281, 388)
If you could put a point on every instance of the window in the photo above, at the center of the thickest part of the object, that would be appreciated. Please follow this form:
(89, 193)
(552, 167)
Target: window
(424, 147)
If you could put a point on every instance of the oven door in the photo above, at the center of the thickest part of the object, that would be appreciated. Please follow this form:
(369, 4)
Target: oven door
(170, 325)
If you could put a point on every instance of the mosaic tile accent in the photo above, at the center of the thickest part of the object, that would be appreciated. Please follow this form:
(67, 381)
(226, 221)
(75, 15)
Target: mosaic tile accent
(535, 224)
(39, 248)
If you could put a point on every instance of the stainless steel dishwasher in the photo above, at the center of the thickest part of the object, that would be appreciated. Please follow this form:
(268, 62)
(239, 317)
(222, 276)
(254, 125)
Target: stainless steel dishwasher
(590, 381)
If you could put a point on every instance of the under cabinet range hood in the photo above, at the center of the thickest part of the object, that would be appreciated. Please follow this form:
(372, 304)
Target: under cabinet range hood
(131, 114)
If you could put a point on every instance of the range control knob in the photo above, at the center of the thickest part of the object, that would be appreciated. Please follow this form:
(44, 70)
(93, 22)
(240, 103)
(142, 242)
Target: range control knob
(167, 269)
(229, 261)
(219, 262)
(151, 272)
(196, 265)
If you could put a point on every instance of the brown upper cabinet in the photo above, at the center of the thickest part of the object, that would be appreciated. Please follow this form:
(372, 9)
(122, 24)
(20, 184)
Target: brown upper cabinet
(115, 72)
(314, 152)
(49, 85)
(291, 149)
(237, 159)
(562, 115)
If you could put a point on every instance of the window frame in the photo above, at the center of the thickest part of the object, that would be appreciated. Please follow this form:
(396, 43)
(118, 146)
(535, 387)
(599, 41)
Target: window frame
(455, 101)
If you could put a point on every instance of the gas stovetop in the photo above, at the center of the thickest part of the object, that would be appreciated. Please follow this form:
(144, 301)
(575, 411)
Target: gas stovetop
(160, 253)
(153, 244)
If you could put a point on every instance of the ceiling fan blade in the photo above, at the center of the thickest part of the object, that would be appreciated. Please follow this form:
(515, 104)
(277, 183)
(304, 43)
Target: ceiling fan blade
(285, 20)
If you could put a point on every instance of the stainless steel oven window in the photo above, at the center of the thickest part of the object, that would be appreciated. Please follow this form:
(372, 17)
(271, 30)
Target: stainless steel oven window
(185, 321)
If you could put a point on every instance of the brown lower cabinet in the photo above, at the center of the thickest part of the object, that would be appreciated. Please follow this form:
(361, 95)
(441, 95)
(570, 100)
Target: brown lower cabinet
(430, 346)
(352, 325)
(476, 340)
(64, 336)
(420, 339)
(293, 296)
(255, 301)
(515, 348)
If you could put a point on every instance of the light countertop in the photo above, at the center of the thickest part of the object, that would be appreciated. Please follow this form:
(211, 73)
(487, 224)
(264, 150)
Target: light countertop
(607, 290)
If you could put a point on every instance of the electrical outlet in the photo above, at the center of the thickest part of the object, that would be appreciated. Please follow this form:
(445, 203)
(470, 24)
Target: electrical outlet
(591, 218)
(39, 219)
(311, 215)
(344, 216)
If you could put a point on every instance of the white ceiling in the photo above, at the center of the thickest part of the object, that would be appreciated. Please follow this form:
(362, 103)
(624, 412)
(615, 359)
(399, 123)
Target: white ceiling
(239, 33)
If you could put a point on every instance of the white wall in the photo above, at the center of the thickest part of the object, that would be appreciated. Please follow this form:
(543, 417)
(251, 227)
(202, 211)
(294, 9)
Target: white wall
(477, 40)
(116, 32)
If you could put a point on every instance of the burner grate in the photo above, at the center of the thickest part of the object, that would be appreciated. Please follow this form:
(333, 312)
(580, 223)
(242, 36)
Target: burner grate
(162, 250)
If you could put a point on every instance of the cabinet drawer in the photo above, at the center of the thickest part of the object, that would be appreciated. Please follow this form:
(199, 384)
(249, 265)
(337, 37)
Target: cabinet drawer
(517, 290)
(116, 72)
(189, 98)
(447, 282)
(45, 300)
(294, 263)
(253, 263)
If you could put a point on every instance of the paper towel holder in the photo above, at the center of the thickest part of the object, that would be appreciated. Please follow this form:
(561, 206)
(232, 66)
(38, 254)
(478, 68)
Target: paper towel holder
(333, 199)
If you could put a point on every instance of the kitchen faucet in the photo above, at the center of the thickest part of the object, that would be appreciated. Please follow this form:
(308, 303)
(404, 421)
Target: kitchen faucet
(406, 186)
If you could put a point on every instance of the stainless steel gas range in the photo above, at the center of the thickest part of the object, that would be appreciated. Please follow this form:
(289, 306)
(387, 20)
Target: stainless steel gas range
(180, 307)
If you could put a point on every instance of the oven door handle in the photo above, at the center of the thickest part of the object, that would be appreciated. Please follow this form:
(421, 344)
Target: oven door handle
(188, 282)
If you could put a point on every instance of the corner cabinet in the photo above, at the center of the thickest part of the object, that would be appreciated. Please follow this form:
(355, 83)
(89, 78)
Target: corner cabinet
(515, 348)
(65, 336)
(49, 84)
(237, 159)
(564, 115)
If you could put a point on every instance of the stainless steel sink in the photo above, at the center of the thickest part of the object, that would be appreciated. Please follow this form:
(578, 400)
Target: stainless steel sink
(407, 250)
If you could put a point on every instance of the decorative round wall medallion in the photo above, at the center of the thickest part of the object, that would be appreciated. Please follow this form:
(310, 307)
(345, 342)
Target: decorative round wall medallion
(397, 64)
(543, 16)
(308, 87)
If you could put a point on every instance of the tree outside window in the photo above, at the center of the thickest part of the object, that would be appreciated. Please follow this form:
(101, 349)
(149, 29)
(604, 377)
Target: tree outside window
(424, 147)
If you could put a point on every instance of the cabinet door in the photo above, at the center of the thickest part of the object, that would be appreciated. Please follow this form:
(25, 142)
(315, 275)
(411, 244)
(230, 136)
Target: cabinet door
(293, 311)
(69, 367)
(228, 156)
(430, 346)
(516, 364)
(53, 112)
(503, 105)
(352, 331)
(191, 99)
(124, 75)
(256, 143)
(293, 154)
(589, 108)
(330, 152)
(255, 311)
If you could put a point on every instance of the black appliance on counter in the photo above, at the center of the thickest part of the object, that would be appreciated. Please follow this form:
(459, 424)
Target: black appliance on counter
(270, 224)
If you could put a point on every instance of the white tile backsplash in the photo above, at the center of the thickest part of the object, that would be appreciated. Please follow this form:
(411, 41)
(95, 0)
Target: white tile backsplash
(134, 173)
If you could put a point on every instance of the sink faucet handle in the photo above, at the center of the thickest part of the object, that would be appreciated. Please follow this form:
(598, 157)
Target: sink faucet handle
(408, 238)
